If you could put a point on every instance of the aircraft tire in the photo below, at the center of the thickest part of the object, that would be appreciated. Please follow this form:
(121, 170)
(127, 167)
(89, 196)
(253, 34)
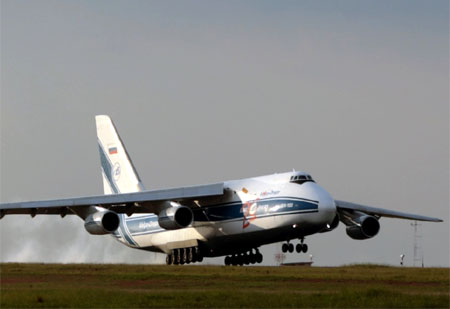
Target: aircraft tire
(190, 256)
(178, 257)
(284, 248)
(305, 248)
(299, 248)
(197, 254)
(291, 248)
(184, 256)
(241, 260)
(259, 258)
(253, 258)
(227, 261)
(244, 259)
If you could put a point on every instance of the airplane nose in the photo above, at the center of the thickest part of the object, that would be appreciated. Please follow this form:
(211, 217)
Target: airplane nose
(327, 206)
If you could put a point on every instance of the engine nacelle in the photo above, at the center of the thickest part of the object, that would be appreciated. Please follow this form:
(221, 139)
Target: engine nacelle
(102, 222)
(367, 227)
(175, 217)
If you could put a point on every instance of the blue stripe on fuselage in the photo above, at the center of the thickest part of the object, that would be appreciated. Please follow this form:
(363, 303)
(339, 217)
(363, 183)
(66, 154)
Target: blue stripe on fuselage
(125, 230)
(258, 208)
(232, 211)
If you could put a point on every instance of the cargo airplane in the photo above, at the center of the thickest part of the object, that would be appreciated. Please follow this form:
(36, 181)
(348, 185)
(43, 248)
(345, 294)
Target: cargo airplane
(231, 219)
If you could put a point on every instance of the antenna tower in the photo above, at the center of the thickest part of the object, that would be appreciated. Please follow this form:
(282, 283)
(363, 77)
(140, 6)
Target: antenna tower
(418, 252)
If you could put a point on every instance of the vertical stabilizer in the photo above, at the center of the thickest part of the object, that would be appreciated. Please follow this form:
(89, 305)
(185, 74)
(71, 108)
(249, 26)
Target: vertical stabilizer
(119, 174)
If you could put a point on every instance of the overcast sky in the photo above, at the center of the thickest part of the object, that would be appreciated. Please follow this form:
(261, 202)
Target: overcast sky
(354, 92)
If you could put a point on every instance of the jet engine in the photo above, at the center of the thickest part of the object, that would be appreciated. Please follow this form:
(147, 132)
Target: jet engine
(102, 222)
(175, 217)
(366, 227)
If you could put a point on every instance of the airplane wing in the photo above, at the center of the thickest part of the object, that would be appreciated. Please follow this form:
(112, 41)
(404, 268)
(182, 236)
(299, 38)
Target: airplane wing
(380, 212)
(136, 202)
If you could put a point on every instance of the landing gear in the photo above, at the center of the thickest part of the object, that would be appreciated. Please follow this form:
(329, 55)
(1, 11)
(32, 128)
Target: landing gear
(259, 257)
(169, 259)
(184, 256)
(301, 247)
(244, 258)
(287, 247)
(190, 255)
(178, 254)
(305, 248)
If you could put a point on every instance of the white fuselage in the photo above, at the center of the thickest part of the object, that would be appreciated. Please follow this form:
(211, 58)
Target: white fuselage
(257, 211)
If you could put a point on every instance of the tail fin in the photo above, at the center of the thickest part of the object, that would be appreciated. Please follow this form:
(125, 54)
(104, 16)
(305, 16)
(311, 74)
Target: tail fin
(119, 174)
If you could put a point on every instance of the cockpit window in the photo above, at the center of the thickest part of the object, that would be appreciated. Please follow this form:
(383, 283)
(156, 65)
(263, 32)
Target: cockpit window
(300, 179)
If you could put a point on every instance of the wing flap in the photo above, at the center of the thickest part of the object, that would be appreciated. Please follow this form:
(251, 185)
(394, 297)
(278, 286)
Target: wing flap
(120, 203)
(383, 212)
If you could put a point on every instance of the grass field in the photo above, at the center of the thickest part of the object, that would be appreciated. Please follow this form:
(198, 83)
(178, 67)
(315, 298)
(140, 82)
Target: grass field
(83, 285)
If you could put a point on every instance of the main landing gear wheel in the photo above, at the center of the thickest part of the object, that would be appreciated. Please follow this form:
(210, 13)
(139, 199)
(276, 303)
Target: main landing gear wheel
(184, 256)
(244, 258)
(178, 257)
(241, 259)
(259, 258)
(189, 256)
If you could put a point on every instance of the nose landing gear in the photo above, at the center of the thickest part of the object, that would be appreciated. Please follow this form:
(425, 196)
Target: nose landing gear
(287, 247)
(301, 247)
